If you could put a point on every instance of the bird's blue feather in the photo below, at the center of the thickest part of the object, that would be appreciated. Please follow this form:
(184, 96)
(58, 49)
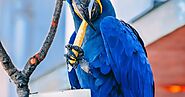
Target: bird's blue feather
(118, 66)
(135, 72)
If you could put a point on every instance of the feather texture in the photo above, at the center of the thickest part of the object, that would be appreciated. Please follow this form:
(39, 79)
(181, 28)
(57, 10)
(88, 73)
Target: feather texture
(117, 59)
(127, 58)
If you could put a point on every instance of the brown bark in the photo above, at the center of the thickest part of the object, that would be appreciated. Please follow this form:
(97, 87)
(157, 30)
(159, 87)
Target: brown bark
(21, 78)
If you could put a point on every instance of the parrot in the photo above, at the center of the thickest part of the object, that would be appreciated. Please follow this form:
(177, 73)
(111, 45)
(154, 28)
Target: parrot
(112, 60)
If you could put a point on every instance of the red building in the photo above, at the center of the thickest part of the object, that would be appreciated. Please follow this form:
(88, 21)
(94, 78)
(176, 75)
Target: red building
(167, 56)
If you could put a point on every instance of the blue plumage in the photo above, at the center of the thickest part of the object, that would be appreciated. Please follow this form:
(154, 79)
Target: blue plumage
(117, 61)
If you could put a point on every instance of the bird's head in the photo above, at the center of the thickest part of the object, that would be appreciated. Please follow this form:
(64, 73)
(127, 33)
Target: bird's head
(92, 11)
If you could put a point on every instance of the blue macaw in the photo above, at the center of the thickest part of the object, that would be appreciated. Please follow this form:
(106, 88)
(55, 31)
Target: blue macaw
(112, 61)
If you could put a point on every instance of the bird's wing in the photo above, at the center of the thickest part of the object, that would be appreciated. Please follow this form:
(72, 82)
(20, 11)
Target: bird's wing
(127, 59)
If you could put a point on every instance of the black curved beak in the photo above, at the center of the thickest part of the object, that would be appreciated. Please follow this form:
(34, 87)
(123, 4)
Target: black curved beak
(84, 12)
(85, 16)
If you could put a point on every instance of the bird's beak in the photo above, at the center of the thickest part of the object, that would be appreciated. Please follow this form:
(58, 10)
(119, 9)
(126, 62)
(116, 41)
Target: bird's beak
(82, 9)
(87, 19)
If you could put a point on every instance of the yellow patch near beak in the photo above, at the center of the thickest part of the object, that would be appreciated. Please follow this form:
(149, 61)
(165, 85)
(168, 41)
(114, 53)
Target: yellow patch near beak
(76, 9)
(101, 8)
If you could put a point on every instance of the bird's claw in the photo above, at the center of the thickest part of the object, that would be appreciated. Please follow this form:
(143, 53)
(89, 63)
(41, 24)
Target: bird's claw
(70, 56)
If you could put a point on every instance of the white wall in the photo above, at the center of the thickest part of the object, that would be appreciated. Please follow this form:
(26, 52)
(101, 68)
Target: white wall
(130, 9)
(161, 21)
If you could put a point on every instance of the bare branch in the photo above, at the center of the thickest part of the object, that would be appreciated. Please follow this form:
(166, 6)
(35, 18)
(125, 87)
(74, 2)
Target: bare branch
(6, 61)
(18, 78)
(21, 78)
(37, 58)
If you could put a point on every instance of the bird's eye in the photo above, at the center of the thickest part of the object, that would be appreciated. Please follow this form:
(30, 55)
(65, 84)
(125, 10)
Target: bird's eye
(96, 11)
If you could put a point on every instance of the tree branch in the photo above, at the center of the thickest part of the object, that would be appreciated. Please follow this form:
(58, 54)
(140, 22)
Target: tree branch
(21, 78)
(37, 58)
(6, 62)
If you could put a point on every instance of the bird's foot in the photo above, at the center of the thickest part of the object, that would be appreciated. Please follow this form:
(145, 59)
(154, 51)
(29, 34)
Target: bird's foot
(72, 58)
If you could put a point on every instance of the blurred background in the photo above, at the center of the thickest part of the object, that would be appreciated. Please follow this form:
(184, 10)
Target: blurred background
(24, 25)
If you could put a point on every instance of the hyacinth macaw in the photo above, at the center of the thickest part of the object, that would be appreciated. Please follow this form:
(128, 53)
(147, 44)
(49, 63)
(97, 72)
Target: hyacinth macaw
(112, 61)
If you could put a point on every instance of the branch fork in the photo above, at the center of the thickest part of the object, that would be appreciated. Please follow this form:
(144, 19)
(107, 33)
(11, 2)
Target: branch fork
(21, 78)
